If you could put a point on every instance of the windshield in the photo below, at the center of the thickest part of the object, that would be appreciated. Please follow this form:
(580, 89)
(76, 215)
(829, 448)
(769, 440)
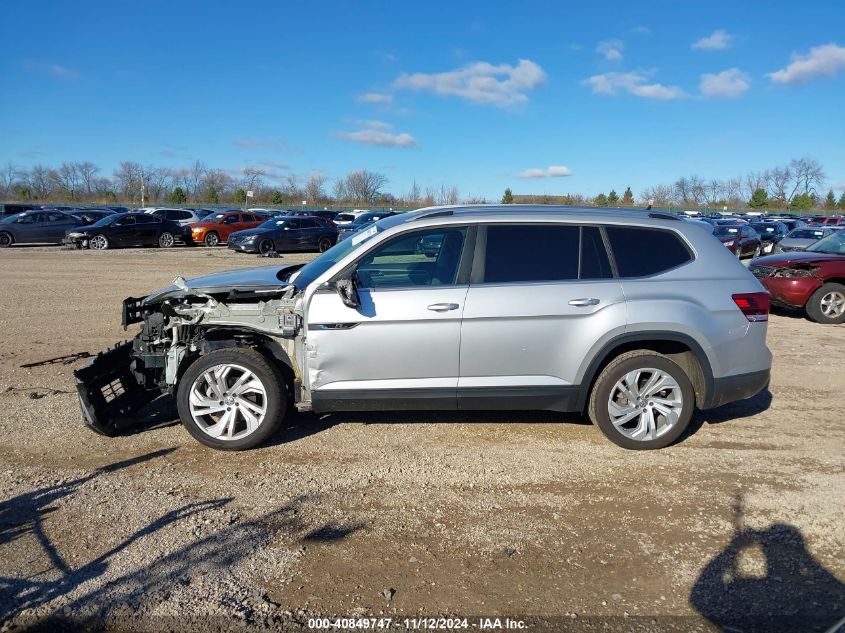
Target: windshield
(344, 217)
(806, 234)
(308, 273)
(833, 243)
(722, 231)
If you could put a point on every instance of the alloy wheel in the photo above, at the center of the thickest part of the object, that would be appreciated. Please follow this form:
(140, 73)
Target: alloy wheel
(833, 304)
(5, 240)
(165, 240)
(645, 404)
(324, 244)
(228, 402)
(99, 243)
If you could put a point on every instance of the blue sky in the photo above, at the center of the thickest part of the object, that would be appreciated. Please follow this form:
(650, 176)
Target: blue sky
(482, 95)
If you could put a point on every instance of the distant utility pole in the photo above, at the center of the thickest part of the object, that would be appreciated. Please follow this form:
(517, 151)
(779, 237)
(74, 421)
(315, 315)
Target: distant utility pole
(142, 186)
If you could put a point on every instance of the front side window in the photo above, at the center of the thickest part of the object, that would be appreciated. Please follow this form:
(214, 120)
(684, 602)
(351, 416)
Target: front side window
(640, 252)
(423, 258)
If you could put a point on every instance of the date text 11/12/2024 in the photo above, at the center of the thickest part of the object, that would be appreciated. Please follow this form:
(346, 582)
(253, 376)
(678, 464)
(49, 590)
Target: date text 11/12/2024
(418, 623)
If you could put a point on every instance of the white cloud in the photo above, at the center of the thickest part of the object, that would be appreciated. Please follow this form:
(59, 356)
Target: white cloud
(274, 164)
(500, 85)
(611, 49)
(717, 40)
(379, 133)
(641, 30)
(58, 71)
(553, 171)
(821, 61)
(727, 84)
(635, 83)
(376, 97)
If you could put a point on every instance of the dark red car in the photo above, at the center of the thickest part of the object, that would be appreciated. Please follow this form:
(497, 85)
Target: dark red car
(813, 279)
(740, 239)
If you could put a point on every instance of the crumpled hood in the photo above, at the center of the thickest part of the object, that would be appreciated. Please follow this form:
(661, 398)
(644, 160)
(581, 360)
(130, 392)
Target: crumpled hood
(243, 279)
(785, 260)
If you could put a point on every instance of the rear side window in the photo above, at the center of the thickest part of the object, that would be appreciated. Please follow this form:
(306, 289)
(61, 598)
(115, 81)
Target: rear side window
(539, 252)
(640, 252)
(594, 261)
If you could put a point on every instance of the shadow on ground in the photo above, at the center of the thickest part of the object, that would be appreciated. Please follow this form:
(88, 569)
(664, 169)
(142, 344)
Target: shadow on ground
(146, 585)
(766, 581)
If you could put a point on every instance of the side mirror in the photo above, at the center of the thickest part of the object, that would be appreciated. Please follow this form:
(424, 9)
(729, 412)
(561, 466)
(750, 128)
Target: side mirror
(347, 290)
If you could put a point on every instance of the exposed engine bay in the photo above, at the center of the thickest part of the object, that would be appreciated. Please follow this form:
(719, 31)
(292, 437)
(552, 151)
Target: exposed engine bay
(184, 321)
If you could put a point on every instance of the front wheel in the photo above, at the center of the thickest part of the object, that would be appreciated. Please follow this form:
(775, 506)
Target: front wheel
(231, 399)
(827, 304)
(212, 239)
(265, 246)
(98, 243)
(324, 244)
(166, 240)
(642, 400)
(6, 239)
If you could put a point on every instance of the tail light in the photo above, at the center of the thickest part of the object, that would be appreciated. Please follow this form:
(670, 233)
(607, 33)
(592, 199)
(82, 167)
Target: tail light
(754, 305)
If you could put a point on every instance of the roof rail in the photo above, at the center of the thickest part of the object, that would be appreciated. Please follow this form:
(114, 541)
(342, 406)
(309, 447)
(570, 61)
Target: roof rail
(663, 216)
(432, 214)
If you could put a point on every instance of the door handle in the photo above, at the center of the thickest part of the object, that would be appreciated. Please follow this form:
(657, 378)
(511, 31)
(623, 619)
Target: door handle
(443, 307)
(583, 303)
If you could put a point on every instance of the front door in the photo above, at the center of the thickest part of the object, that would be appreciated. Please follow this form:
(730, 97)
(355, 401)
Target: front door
(399, 348)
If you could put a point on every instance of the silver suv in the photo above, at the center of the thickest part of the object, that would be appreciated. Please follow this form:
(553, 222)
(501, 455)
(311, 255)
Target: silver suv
(633, 317)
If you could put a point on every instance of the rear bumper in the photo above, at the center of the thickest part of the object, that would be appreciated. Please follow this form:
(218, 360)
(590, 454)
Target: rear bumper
(733, 388)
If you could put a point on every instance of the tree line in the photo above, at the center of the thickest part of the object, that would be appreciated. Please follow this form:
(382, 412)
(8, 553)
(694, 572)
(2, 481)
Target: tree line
(797, 186)
(134, 183)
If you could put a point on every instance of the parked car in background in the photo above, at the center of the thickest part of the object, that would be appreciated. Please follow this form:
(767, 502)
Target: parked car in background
(347, 217)
(15, 208)
(362, 221)
(36, 227)
(791, 223)
(770, 234)
(286, 233)
(215, 228)
(127, 229)
(89, 216)
(180, 216)
(836, 220)
(326, 215)
(741, 240)
(802, 237)
(813, 279)
(635, 319)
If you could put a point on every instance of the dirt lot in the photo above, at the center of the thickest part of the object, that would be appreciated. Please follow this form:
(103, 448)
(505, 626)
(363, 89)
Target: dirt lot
(527, 515)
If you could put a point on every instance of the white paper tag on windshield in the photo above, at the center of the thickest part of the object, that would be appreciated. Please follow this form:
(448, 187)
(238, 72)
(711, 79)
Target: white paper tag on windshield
(364, 235)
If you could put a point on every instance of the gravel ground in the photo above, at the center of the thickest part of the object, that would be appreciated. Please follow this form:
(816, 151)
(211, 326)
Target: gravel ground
(530, 515)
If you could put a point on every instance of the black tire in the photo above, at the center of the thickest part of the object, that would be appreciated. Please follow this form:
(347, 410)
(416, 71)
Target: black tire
(212, 238)
(265, 246)
(324, 244)
(613, 372)
(270, 378)
(6, 239)
(815, 308)
(166, 239)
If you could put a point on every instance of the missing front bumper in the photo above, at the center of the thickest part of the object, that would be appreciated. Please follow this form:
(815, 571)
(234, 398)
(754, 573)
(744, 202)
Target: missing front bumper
(109, 392)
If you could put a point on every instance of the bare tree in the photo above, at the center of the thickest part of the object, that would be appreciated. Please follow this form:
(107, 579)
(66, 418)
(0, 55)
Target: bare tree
(364, 186)
(314, 189)
(158, 182)
(68, 180)
(290, 188)
(713, 191)
(807, 177)
(339, 190)
(779, 179)
(196, 174)
(87, 173)
(254, 178)
(659, 196)
(756, 180)
(40, 182)
(127, 180)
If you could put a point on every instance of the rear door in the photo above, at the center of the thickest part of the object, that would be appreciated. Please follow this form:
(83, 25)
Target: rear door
(148, 227)
(541, 295)
(123, 231)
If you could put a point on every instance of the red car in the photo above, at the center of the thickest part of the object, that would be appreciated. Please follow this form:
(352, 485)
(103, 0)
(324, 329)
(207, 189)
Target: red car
(741, 240)
(215, 228)
(813, 279)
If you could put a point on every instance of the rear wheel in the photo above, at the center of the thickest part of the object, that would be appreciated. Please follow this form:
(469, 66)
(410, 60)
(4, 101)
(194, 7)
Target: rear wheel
(324, 244)
(265, 246)
(6, 239)
(212, 239)
(642, 400)
(166, 240)
(827, 304)
(98, 242)
(231, 399)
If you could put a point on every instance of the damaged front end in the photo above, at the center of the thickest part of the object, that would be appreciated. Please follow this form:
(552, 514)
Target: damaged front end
(255, 308)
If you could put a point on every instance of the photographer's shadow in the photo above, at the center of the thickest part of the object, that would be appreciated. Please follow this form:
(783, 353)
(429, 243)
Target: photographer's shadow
(767, 581)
